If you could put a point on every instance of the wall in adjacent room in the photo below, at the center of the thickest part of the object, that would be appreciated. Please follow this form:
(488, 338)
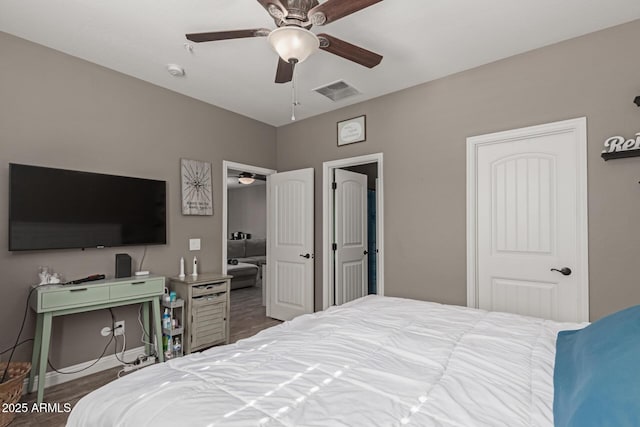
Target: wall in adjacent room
(422, 132)
(248, 210)
(63, 112)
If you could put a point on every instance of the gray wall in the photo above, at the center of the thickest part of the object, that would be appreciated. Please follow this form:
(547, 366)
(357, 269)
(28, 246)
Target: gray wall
(422, 132)
(247, 208)
(63, 112)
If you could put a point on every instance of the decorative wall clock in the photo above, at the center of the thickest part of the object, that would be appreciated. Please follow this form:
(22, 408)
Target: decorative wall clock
(197, 195)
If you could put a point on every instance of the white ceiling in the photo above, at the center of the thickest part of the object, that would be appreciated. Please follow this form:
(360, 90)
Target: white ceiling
(421, 40)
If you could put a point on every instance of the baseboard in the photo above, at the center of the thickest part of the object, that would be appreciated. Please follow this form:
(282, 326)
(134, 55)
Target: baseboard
(107, 362)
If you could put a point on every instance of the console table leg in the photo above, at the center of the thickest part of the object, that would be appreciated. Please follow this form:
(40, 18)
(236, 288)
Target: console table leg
(44, 354)
(35, 356)
(156, 327)
(147, 330)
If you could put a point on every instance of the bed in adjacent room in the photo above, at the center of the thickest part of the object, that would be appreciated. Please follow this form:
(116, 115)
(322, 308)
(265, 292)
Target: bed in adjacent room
(376, 361)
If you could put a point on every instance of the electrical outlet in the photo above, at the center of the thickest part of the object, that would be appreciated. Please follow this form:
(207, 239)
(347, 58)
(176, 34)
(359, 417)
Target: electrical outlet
(119, 328)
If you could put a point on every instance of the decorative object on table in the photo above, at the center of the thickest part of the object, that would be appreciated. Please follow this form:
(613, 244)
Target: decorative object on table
(238, 235)
(181, 275)
(47, 276)
(123, 265)
(197, 196)
(11, 388)
(352, 130)
(195, 267)
(618, 147)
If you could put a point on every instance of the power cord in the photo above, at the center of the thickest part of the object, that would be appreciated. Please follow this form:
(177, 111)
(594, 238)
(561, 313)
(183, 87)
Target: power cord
(13, 349)
(18, 345)
(104, 351)
(114, 336)
(145, 334)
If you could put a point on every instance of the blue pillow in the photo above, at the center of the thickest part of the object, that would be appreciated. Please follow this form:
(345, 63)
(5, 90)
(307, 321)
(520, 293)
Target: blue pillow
(597, 373)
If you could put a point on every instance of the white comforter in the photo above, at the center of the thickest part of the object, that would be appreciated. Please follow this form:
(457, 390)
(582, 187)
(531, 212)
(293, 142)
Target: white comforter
(376, 361)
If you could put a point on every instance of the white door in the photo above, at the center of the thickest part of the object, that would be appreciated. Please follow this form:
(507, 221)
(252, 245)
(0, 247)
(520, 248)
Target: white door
(350, 235)
(531, 221)
(290, 257)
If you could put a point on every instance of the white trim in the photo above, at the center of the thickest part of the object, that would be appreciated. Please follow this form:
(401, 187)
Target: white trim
(579, 128)
(327, 221)
(107, 362)
(226, 165)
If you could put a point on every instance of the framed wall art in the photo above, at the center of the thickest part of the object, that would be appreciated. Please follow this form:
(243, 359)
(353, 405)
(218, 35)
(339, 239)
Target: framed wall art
(352, 130)
(197, 195)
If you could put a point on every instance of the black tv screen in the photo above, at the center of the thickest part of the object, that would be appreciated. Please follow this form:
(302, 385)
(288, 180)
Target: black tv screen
(62, 209)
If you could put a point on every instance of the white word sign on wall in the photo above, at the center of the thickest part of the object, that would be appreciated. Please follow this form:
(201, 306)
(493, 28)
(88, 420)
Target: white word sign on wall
(617, 147)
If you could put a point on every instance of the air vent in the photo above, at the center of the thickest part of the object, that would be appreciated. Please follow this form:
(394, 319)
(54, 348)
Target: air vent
(337, 91)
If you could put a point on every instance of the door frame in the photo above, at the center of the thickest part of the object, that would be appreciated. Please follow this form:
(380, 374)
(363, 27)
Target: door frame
(226, 165)
(576, 126)
(328, 223)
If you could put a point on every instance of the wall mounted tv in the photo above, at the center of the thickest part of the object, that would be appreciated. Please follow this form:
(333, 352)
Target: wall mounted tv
(63, 209)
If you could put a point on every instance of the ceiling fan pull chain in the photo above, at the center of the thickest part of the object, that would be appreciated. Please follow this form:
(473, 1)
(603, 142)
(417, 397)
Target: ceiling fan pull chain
(294, 101)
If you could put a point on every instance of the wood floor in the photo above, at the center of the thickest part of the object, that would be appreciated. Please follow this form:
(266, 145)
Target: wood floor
(247, 319)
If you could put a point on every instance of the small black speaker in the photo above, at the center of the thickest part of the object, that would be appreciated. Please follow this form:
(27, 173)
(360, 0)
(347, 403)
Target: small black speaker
(123, 265)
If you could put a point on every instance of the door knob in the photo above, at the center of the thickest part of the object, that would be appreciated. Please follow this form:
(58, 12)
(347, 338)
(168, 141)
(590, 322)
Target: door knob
(366, 252)
(565, 271)
(307, 256)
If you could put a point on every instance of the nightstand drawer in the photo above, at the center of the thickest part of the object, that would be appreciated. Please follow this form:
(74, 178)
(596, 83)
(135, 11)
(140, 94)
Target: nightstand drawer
(142, 287)
(208, 289)
(76, 295)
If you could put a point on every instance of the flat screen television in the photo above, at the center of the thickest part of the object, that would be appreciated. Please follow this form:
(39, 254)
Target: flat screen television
(64, 209)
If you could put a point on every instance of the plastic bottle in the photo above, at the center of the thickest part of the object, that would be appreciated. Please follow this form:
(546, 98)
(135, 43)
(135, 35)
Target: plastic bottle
(169, 352)
(166, 319)
(177, 347)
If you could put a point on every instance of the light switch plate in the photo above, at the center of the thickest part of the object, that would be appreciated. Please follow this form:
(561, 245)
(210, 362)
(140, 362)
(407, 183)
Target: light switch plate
(194, 244)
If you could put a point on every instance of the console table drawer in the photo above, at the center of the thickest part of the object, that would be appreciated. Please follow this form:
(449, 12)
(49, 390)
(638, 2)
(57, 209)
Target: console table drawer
(140, 287)
(79, 295)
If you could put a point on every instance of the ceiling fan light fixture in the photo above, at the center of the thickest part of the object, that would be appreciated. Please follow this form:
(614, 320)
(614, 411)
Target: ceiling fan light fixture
(246, 178)
(293, 43)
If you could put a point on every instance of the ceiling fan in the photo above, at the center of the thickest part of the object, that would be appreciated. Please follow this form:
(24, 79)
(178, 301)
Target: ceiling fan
(247, 178)
(292, 39)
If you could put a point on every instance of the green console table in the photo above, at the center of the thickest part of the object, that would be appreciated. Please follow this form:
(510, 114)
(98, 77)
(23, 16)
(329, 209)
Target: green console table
(55, 300)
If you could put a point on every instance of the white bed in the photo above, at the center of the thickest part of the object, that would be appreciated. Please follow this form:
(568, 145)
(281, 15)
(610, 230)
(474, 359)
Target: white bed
(376, 361)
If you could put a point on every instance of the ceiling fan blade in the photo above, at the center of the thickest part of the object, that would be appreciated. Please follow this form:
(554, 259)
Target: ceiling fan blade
(275, 8)
(284, 74)
(349, 51)
(227, 35)
(332, 10)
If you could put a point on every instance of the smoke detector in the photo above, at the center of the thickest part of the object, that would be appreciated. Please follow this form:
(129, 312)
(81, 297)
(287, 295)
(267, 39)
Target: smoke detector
(175, 70)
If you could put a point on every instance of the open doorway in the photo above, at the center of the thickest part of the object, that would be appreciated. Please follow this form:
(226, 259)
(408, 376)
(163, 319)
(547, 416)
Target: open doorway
(244, 246)
(353, 229)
